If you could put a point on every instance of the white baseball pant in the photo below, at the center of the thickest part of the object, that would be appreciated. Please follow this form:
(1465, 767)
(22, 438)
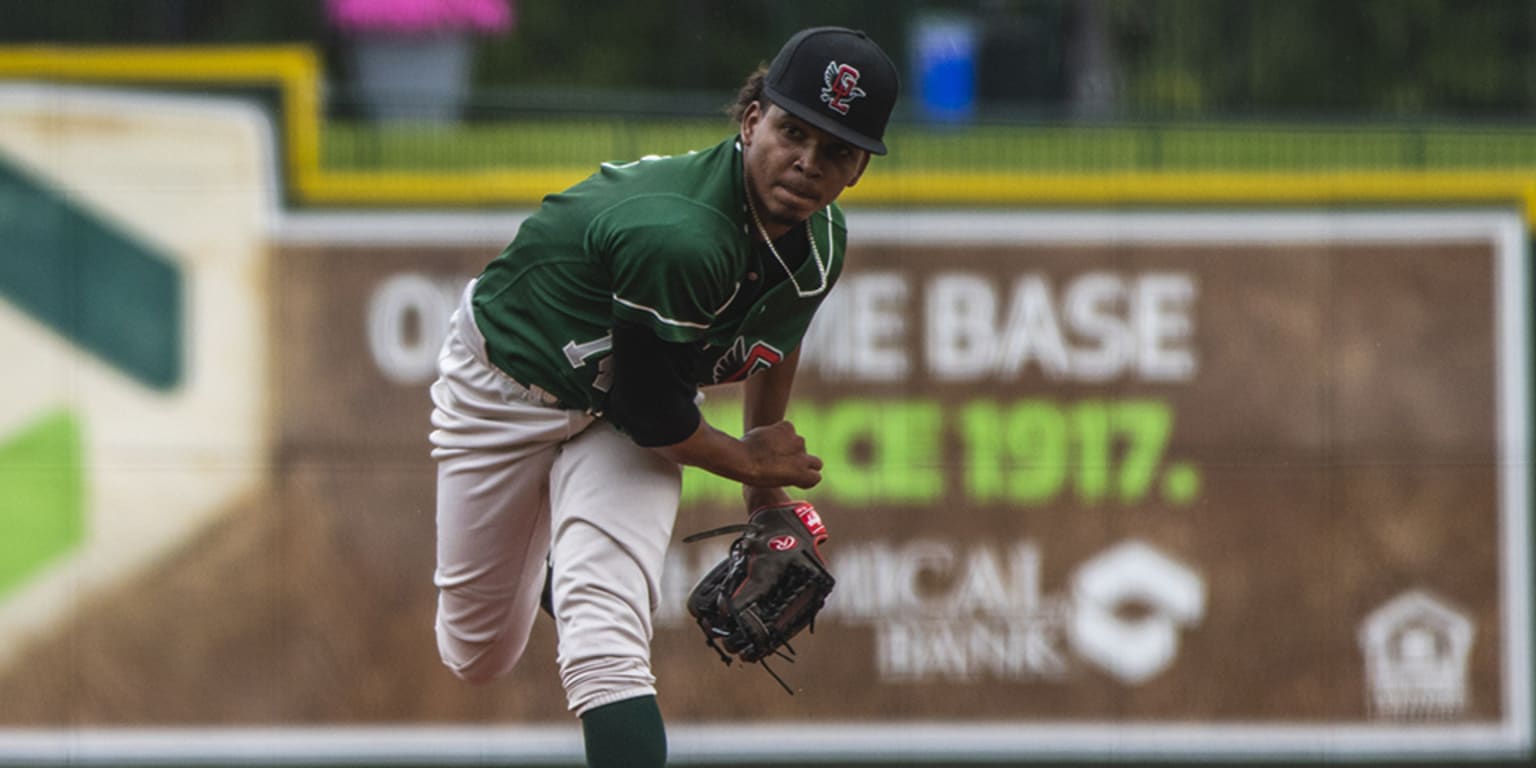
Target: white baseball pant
(512, 470)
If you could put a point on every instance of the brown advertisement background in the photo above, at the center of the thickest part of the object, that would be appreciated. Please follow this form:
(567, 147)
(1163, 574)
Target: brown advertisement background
(1342, 419)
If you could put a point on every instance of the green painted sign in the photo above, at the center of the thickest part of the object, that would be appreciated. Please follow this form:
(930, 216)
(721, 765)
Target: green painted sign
(109, 295)
(41, 496)
(89, 281)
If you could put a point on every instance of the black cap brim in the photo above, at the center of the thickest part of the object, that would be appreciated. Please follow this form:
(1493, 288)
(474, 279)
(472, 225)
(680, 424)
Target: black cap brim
(822, 121)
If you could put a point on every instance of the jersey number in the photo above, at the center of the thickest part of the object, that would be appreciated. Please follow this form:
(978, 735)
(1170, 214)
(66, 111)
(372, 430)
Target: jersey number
(577, 354)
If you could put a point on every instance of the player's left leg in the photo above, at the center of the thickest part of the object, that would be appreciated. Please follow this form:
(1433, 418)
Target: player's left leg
(625, 734)
(613, 505)
(494, 451)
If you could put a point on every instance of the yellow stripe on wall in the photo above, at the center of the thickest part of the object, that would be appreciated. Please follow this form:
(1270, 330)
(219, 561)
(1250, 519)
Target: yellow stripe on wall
(296, 72)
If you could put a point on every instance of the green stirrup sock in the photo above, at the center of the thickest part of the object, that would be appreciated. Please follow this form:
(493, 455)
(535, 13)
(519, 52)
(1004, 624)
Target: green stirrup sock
(625, 734)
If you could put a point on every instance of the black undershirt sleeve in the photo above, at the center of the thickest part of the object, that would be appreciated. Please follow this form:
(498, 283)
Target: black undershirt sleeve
(652, 396)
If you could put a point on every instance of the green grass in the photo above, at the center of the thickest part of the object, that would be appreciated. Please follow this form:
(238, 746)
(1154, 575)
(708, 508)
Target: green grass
(573, 143)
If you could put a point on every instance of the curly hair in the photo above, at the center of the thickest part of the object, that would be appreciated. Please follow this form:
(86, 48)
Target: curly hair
(751, 90)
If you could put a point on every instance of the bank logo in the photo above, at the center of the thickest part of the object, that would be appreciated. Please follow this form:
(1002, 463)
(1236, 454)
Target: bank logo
(1416, 649)
(1130, 605)
(957, 612)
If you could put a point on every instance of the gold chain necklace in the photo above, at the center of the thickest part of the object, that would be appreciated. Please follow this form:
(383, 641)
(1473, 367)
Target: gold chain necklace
(821, 266)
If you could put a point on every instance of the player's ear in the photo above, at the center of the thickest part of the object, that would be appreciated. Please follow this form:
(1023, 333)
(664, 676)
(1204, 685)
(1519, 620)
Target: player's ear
(750, 118)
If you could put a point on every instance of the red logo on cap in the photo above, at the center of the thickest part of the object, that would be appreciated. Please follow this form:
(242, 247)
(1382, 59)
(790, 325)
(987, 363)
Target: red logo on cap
(842, 87)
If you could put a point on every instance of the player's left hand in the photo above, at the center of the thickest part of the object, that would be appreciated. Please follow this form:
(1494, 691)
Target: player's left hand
(768, 589)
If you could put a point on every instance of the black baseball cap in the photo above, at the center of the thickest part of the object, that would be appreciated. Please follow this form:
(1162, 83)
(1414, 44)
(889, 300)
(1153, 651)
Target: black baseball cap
(838, 80)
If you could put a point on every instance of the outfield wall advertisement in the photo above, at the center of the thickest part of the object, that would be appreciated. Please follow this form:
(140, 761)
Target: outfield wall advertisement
(1251, 478)
(1100, 485)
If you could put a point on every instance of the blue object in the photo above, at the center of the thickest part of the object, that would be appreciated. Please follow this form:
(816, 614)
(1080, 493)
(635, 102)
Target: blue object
(945, 52)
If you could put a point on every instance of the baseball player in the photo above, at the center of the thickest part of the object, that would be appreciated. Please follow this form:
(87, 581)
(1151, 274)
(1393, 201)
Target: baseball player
(566, 403)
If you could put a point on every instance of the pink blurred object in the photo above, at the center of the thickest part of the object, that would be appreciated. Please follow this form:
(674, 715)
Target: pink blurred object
(422, 16)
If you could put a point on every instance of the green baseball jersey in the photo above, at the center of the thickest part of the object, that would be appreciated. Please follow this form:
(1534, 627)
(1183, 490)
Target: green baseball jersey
(666, 243)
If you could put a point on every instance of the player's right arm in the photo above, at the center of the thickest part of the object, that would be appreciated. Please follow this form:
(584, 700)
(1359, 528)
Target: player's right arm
(652, 400)
(667, 290)
(765, 399)
(769, 456)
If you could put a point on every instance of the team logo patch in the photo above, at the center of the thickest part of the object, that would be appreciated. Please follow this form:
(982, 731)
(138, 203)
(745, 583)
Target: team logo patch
(842, 87)
(782, 543)
(739, 361)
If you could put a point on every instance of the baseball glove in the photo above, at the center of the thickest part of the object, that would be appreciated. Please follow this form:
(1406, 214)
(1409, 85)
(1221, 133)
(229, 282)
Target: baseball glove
(768, 589)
